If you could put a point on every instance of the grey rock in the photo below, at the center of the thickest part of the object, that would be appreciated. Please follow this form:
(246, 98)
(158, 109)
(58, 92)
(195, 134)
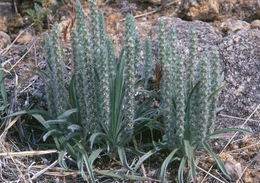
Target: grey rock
(255, 24)
(241, 56)
(4, 39)
(232, 26)
(200, 10)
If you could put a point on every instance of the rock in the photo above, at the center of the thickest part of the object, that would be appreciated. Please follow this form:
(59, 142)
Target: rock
(210, 10)
(3, 26)
(4, 39)
(233, 167)
(240, 57)
(231, 26)
(14, 21)
(240, 54)
(5, 9)
(206, 10)
(25, 37)
(8, 18)
(246, 10)
(255, 24)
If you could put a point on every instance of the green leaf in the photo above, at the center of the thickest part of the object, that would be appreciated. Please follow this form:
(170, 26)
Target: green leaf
(217, 90)
(2, 108)
(181, 170)
(123, 176)
(94, 155)
(216, 157)
(80, 164)
(188, 149)
(192, 168)
(226, 130)
(39, 118)
(93, 138)
(143, 158)
(56, 121)
(123, 159)
(2, 86)
(165, 164)
(74, 128)
(49, 133)
(89, 167)
(61, 159)
(67, 114)
(29, 112)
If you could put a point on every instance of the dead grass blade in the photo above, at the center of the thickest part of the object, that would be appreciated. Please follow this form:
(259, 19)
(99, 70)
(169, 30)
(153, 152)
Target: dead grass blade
(28, 153)
(44, 170)
(34, 41)
(234, 117)
(4, 51)
(208, 173)
(8, 127)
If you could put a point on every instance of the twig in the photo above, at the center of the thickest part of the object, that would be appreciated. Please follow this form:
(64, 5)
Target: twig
(23, 55)
(14, 162)
(205, 171)
(30, 84)
(44, 170)
(28, 153)
(234, 117)
(154, 11)
(9, 126)
(243, 148)
(4, 51)
(242, 126)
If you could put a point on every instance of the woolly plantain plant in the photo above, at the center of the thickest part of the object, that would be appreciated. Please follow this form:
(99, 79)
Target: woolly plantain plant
(189, 104)
(3, 94)
(96, 109)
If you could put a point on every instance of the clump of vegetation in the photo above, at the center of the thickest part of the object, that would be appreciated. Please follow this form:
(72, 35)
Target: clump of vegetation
(96, 108)
(39, 13)
(190, 104)
(94, 111)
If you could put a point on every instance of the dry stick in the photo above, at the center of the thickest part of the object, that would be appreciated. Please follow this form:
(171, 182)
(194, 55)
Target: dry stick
(241, 127)
(30, 84)
(9, 126)
(23, 55)
(232, 139)
(205, 171)
(4, 51)
(44, 170)
(28, 153)
(234, 117)
(245, 147)
(152, 12)
(14, 162)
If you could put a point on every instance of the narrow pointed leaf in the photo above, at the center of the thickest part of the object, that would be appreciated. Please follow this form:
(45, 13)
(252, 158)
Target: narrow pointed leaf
(217, 133)
(216, 157)
(181, 170)
(165, 164)
(123, 159)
